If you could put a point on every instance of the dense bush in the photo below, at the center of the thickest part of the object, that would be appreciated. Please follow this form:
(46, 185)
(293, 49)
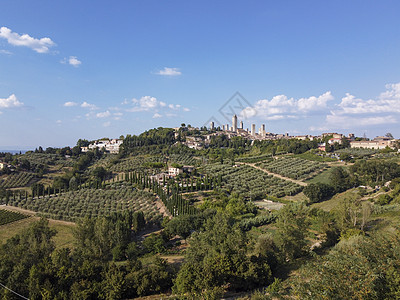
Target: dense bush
(374, 172)
(317, 192)
(358, 268)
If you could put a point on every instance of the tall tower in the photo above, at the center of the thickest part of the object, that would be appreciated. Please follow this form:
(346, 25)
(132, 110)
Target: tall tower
(241, 125)
(211, 125)
(234, 123)
(253, 129)
(263, 129)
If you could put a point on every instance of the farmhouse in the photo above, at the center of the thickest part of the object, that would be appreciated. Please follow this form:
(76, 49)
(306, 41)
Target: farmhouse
(172, 171)
(335, 140)
(374, 144)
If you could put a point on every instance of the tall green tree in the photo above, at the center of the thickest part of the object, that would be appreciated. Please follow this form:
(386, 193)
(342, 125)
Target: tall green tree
(292, 225)
(218, 257)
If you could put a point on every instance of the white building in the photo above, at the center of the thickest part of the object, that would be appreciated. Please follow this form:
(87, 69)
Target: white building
(174, 171)
(372, 144)
(111, 146)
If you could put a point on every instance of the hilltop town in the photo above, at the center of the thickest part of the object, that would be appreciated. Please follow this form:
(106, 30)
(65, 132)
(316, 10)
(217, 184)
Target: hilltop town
(200, 137)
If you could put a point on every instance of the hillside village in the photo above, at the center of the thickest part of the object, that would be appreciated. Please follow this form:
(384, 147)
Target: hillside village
(199, 138)
(149, 203)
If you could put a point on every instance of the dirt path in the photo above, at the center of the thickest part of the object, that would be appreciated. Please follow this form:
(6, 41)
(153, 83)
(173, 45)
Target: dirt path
(161, 207)
(338, 163)
(274, 174)
(17, 209)
(374, 196)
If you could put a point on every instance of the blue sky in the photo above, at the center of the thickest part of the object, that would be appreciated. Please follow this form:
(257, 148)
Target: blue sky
(80, 69)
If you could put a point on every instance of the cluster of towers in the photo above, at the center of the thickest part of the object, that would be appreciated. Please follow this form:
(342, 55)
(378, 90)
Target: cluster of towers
(240, 129)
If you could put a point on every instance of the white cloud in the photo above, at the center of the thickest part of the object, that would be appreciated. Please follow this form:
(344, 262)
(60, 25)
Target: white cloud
(10, 102)
(314, 103)
(349, 122)
(148, 102)
(107, 124)
(103, 114)
(70, 104)
(74, 61)
(41, 45)
(156, 116)
(169, 72)
(276, 117)
(387, 102)
(6, 52)
(353, 112)
(281, 106)
(89, 106)
(145, 103)
(152, 104)
(117, 115)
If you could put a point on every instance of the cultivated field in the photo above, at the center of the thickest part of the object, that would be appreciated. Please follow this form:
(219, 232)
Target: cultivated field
(293, 167)
(90, 202)
(15, 180)
(251, 182)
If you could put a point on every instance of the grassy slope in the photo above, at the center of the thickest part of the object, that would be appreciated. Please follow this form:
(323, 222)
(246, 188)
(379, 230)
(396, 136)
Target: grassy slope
(332, 203)
(322, 177)
(63, 238)
(311, 156)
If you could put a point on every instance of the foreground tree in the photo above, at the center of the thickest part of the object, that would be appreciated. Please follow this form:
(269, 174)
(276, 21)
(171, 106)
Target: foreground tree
(317, 192)
(358, 268)
(218, 259)
(292, 227)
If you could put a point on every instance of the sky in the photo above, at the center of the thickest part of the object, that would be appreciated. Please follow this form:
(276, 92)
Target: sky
(94, 69)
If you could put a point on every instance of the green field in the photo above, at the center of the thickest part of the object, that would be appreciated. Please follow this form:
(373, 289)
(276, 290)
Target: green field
(312, 156)
(322, 177)
(63, 238)
(332, 203)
